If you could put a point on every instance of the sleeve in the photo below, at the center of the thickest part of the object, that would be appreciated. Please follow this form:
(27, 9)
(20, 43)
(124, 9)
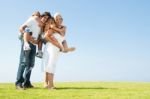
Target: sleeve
(29, 22)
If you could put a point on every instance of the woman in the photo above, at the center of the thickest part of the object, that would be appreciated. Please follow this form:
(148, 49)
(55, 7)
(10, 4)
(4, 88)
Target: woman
(52, 51)
(50, 56)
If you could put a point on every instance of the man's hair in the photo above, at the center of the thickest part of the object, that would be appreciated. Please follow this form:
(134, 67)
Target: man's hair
(46, 14)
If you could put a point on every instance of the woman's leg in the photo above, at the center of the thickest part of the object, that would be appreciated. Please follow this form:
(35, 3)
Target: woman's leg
(45, 80)
(50, 80)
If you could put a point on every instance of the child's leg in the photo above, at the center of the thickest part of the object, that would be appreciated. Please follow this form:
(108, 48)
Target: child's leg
(40, 45)
(66, 48)
(39, 53)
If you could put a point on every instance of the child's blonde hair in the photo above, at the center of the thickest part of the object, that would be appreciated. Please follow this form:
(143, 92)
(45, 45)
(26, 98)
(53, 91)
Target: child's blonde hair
(37, 13)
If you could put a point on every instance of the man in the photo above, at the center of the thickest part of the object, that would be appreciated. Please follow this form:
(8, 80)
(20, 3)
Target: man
(30, 30)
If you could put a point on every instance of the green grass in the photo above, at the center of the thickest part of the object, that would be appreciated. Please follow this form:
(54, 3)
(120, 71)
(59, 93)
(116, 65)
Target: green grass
(76, 90)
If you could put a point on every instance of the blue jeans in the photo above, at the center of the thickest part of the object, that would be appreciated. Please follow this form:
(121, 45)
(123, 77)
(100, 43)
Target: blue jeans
(26, 63)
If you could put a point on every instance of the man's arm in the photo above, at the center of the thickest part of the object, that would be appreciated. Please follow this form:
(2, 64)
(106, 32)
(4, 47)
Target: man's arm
(26, 38)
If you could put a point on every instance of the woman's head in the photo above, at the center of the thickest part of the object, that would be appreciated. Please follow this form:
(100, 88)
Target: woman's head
(58, 18)
(45, 16)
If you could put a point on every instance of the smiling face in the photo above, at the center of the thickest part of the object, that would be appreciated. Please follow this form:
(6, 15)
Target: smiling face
(48, 24)
(52, 22)
(58, 20)
(44, 18)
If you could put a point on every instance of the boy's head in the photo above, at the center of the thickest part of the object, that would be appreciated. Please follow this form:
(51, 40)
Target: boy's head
(37, 13)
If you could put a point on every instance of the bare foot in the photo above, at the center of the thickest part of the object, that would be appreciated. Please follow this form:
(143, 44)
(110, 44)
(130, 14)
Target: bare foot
(71, 49)
(45, 85)
(51, 88)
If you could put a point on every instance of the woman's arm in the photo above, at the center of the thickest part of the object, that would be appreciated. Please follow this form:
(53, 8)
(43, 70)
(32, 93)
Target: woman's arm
(50, 38)
(61, 31)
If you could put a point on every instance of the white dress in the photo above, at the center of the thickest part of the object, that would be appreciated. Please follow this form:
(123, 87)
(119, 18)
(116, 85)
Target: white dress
(51, 54)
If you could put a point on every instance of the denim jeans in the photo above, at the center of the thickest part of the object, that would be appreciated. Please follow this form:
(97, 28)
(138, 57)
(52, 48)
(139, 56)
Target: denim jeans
(26, 63)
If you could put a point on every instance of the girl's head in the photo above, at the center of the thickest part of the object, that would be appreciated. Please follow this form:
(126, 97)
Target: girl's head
(48, 23)
(58, 18)
(37, 13)
(52, 21)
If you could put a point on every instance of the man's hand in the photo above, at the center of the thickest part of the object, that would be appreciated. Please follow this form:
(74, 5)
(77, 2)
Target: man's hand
(51, 26)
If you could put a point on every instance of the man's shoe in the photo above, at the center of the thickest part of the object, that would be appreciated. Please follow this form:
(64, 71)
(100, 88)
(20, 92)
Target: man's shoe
(19, 87)
(28, 86)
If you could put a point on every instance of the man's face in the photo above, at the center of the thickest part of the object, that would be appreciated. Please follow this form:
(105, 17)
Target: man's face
(44, 19)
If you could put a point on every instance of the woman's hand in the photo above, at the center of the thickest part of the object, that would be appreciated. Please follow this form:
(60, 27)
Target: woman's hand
(52, 26)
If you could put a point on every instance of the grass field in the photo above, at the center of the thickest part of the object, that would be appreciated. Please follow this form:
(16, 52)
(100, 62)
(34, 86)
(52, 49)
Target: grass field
(76, 90)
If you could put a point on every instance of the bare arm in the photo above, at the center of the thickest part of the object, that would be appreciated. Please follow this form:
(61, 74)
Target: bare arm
(61, 31)
(21, 29)
(26, 35)
(51, 39)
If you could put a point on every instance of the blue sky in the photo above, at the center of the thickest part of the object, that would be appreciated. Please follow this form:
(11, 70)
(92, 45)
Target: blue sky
(112, 38)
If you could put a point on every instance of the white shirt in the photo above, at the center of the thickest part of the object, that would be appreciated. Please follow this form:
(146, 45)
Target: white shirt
(34, 27)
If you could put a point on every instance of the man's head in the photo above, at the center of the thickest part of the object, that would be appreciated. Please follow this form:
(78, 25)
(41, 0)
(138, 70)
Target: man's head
(45, 16)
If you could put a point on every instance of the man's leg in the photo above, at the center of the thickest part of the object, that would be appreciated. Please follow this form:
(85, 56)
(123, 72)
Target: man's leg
(29, 68)
(21, 69)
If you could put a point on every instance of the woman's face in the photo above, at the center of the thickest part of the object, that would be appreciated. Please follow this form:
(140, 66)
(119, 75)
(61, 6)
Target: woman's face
(59, 20)
(44, 19)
